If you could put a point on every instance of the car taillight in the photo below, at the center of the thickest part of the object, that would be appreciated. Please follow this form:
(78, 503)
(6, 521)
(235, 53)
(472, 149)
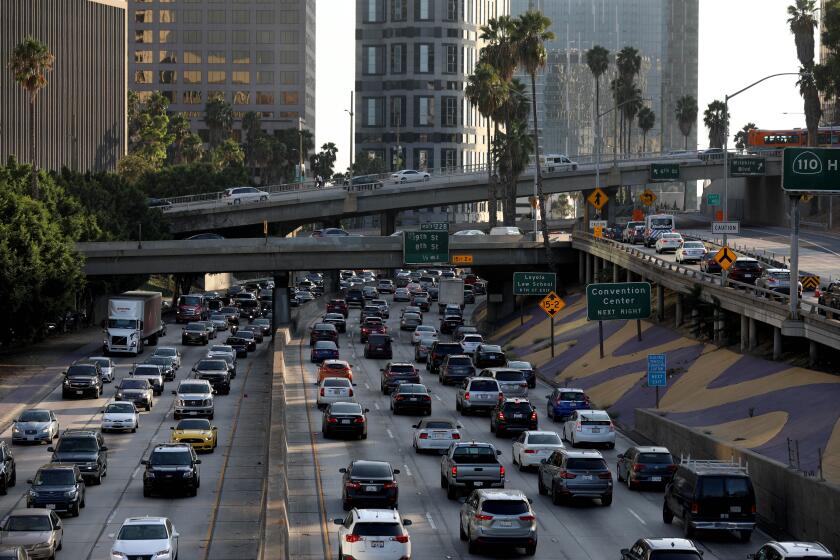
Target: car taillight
(424, 436)
(534, 415)
(501, 415)
(605, 475)
(456, 435)
(483, 517)
(565, 474)
(332, 420)
(695, 507)
(672, 468)
(578, 427)
(322, 391)
(399, 398)
(501, 396)
(501, 471)
(527, 517)
(752, 509)
(612, 427)
(529, 451)
(639, 468)
(359, 420)
(467, 396)
(352, 538)
(454, 471)
(353, 485)
(401, 539)
(351, 392)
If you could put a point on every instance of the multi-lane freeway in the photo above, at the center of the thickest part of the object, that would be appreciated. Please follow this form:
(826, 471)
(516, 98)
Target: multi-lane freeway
(223, 521)
(582, 530)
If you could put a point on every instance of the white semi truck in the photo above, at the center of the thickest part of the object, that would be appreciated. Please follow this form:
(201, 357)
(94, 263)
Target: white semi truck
(133, 322)
(450, 291)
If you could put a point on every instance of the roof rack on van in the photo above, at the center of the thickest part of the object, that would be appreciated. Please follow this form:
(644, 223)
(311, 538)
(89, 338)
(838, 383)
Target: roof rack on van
(715, 463)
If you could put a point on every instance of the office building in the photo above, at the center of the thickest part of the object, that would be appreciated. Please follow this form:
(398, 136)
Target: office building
(258, 54)
(665, 32)
(413, 60)
(80, 117)
(829, 101)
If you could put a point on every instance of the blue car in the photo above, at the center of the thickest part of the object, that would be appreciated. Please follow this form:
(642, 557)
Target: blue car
(323, 350)
(562, 402)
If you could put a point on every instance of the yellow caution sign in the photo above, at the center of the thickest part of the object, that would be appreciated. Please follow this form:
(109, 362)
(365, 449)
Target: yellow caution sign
(598, 198)
(462, 259)
(810, 282)
(725, 257)
(648, 197)
(598, 231)
(552, 304)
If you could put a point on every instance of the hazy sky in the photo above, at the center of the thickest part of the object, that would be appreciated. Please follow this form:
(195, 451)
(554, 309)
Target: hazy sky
(741, 41)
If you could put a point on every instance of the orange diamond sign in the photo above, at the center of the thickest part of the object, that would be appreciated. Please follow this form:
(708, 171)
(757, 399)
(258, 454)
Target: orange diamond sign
(598, 198)
(552, 304)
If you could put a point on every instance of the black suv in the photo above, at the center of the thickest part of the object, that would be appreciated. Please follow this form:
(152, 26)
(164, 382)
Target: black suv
(216, 371)
(8, 468)
(57, 486)
(395, 373)
(437, 353)
(711, 495)
(172, 467)
(355, 297)
(455, 368)
(250, 309)
(82, 380)
(513, 415)
(379, 346)
(84, 448)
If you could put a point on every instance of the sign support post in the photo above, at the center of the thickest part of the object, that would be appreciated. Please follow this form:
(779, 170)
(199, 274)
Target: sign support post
(552, 336)
(794, 257)
(639, 329)
(601, 338)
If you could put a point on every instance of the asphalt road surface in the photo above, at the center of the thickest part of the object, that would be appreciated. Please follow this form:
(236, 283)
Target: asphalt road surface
(580, 531)
(224, 520)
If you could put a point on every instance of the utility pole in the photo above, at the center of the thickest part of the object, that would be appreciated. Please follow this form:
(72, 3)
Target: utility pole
(300, 147)
(352, 114)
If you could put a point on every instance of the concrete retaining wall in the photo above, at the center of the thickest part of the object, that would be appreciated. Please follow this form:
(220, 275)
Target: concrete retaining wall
(804, 507)
(276, 514)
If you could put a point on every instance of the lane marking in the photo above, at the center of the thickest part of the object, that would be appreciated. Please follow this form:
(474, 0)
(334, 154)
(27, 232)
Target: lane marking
(367, 386)
(407, 470)
(135, 473)
(431, 521)
(390, 435)
(438, 398)
(376, 405)
(636, 515)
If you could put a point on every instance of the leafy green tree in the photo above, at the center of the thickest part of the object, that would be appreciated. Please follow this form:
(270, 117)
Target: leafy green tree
(30, 62)
(323, 162)
(218, 116)
(647, 118)
(150, 134)
(365, 164)
(686, 113)
(187, 179)
(193, 148)
(716, 120)
(742, 135)
(179, 131)
(134, 167)
(228, 154)
(803, 22)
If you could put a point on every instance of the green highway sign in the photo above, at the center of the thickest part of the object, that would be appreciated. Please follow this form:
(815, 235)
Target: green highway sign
(434, 226)
(425, 247)
(811, 170)
(713, 199)
(664, 172)
(624, 300)
(534, 283)
(747, 166)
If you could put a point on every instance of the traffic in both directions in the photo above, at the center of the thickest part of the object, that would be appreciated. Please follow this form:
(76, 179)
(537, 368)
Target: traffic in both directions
(590, 529)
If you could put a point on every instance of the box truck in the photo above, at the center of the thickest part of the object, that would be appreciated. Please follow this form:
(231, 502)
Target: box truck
(133, 321)
(450, 291)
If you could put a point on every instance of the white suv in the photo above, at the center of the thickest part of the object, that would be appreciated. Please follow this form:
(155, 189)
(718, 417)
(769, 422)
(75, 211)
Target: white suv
(373, 533)
(782, 550)
(238, 195)
(146, 537)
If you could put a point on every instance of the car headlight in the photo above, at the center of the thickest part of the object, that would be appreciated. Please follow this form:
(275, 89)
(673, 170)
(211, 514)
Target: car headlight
(118, 395)
(149, 474)
(115, 555)
(207, 402)
(162, 554)
(33, 494)
(188, 474)
(43, 430)
(43, 545)
(70, 494)
(179, 402)
(16, 430)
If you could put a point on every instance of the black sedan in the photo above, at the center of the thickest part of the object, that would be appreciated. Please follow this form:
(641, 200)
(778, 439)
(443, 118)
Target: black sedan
(709, 265)
(369, 484)
(255, 330)
(344, 418)
(248, 337)
(411, 397)
(337, 320)
(194, 333)
(239, 344)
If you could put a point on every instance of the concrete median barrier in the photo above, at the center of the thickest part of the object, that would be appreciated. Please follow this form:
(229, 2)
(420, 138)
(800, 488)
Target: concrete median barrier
(276, 515)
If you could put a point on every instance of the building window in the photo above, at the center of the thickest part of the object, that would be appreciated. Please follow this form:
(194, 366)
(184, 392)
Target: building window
(142, 57)
(142, 76)
(265, 98)
(398, 112)
(240, 77)
(423, 10)
(240, 37)
(399, 10)
(192, 98)
(168, 57)
(451, 10)
(143, 16)
(191, 16)
(398, 59)
(216, 37)
(216, 77)
(373, 111)
(265, 57)
(266, 17)
(166, 16)
(289, 78)
(167, 36)
(192, 76)
(288, 37)
(286, 57)
(192, 37)
(449, 158)
(373, 60)
(450, 111)
(451, 59)
(290, 98)
(289, 17)
(423, 158)
(265, 77)
(192, 57)
(424, 59)
(215, 16)
(167, 77)
(374, 11)
(241, 97)
(169, 95)
(216, 57)
(265, 37)
(241, 16)
(241, 57)
(424, 111)
(143, 36)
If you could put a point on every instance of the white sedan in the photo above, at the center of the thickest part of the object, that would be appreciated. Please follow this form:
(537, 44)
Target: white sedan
(668, 242)
(472, 232)
(691, 251)
(107, 367)
(410, 176)
(146, 537)
(589, 426)
(435, 434)
(471, 342)
(423, 331)
(533, 446)
(333, 390)
(120, 416)
(238, 195)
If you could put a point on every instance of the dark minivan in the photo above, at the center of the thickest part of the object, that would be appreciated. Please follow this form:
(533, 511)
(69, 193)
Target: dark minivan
(438, 351)
(379, 346)
(711, 495)
(644, 464)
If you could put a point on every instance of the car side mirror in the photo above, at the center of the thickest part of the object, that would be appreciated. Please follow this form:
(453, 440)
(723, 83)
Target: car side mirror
(406, 522)
(342, 470)
(396, 471)
(355, 384)
(174, 392)
(415, 426)
(382, 369)
(29, 481)
(625, 551)
(104, 448)
(51, 449)
(338, 521)
(171, 427)
(498, 452)
(367, 410)
(620, 456)
(144, 462)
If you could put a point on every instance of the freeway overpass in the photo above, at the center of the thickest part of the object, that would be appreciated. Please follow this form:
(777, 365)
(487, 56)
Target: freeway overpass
(298, 204)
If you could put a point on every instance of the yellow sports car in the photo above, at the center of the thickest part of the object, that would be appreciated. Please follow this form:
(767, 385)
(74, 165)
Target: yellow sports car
(197, 432)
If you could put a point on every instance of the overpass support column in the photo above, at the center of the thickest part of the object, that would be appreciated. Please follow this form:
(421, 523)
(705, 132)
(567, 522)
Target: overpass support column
(387, 223)
(660, 302)
(629, 275)
(280, 315)
(753, 328)
(615, 273)
(331, 284)
(581, 266)
(589, 258)
(501, 302)
(596, 270)
(813, 353)
(745, 333)
(777, 343)
(678, 311)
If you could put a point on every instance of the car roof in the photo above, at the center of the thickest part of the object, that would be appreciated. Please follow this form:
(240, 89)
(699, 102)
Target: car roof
(402, 364)
(171, 447)
(438, 419)
(670, 544)
(796, 549)
(29, 511)
(501, 494)
(326, 344)
(333, 361)
(202, 381)
(595, 413)
(651, 449)
(485, 346)
(377, 515)
(63, 466)
(583, 453)
(519, 364)
(145, 520)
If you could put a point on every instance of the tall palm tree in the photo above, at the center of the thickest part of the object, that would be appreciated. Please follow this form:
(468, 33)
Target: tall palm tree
(633, 104)
(512, 150)
(803, 22)
(500, 51)
(530, 37)
(742, 135)
(179, 130)
(686, 113)
(218, 116)
(716, 120)
(486, 91)
(598, 61)
(515, 109)
(30, 62)
(647, 118)
(628, 61)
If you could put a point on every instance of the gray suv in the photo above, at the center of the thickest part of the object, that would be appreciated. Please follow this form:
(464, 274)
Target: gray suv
(498, 517)
(575, 474)
(477, 394)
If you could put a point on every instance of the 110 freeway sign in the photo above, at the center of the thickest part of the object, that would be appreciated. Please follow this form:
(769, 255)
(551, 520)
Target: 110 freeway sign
(811, 170)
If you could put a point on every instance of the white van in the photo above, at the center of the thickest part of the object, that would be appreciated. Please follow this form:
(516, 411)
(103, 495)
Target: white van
(656, 225)
(505, 230)
(557, 162)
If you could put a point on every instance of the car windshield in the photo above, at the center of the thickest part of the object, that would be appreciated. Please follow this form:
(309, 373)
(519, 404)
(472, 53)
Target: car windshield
(155, 532)
(371, 470)
(517, 408)
(54, 477)
(222, 349)
(448, 348)
(725, 487)
(346, 408)
(586, 464)
(779, 275)
(35, 416)
(121, 323)
(693, 245)
(120, 408)
(189, 300)
(76, 444)
(544, 439)
(411, 316)
(81, 371)
(212, 365)
(655, 458)
(196, 327)
(377, 529)
(484, 385)
(336, 382)
(749, 265)
(479, 454)
(325, 345)
(168, 352)
(661, 222)
(158, 360)
(102, 362)
(186, 388)
(437, 425)
(424, 328)
(509, 376)
(134, 384)
(194, 424)
(472, 338)
(219, 318)
(460, 361)
(411, 388)
(574, 396)
(29, 523)
(671, 236)
(177, 458)
(151, 370)
(228, 310)
(400, 368)
(505, 507)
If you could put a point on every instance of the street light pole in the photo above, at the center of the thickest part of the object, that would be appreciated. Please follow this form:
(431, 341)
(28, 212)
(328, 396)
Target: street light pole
(350, 180)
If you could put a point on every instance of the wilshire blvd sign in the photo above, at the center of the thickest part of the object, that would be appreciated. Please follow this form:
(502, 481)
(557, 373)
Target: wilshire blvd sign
(624, 300)
(811, 170)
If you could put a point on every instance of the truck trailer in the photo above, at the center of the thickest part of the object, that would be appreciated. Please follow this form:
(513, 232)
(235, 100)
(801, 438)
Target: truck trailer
(134, 321)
